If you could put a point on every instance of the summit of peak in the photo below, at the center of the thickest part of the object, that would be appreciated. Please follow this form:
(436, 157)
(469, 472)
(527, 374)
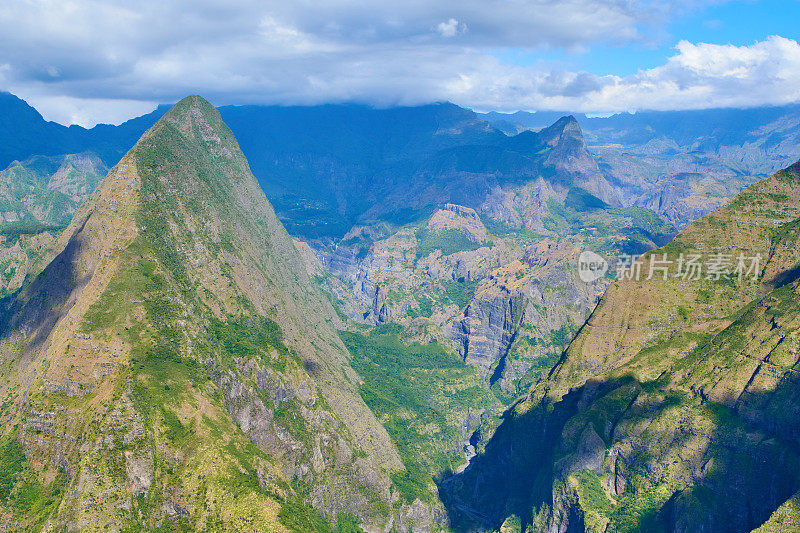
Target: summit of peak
(192, 101)
(190, 110)
(565, 128)
(564, 124)
(198, 124)
(567, 120)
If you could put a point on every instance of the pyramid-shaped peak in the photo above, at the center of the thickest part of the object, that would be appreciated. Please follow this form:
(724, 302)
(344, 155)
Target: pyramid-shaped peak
(564, 124)
(564, 129)
(567, 121)
(176, 249)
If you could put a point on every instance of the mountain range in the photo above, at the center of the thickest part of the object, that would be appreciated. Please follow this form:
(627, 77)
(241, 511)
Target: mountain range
(350, 194)
(406, 340)
(682, 164)
(309, 160)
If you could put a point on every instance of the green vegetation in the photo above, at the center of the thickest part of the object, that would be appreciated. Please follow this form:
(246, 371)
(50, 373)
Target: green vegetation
(11, 459)
(606, 229)
(413, 482)
(176, 432)
(540, 352)
(523, 236)
(425, 307)
(637, 508)
(26, 190)
(447, 241)
(20, 488)
(592, 495)
(460, 293)
(165, 379)
(420, 391)
(579, 199)
(36, 502)
(513, 524)
(250, 337)
(561, 337)
(633, 511)
(138, 277)
(12, 231)
(300, 518)
(288, 415)
(645, 219)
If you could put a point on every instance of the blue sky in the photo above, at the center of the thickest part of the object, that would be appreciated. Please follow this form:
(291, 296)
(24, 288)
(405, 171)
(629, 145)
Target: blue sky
(739, 23)
(89, 61)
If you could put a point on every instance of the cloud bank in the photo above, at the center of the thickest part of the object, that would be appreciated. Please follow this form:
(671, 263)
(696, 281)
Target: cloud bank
(83, 61)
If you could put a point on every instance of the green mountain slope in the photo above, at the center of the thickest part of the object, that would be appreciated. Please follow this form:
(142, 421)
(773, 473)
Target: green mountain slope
(172, 367)
(675, 409)
(435, 407)
(48, 189)
(38, 197)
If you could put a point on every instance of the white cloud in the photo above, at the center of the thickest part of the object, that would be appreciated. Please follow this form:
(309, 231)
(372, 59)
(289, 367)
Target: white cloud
(89, 60)
(451, 28)
(88, 111)
(708, 75)
(697, 76)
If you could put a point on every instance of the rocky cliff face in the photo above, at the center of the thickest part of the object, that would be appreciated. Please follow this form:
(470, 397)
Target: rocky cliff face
(507, 297)
(674, 408)
(172, 365)
(484, 282)
(524, 315)
(676, 181)
(570, 157)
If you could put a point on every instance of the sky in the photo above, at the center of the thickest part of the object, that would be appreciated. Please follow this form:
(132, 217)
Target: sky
(90, 61)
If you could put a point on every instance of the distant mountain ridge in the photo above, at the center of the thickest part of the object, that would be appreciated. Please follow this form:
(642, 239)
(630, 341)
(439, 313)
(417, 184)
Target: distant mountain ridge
(682, 164)
(48, 189)
(333, 166)
(719, 126)
(311, 160)
(327, 167)
(25, 133)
